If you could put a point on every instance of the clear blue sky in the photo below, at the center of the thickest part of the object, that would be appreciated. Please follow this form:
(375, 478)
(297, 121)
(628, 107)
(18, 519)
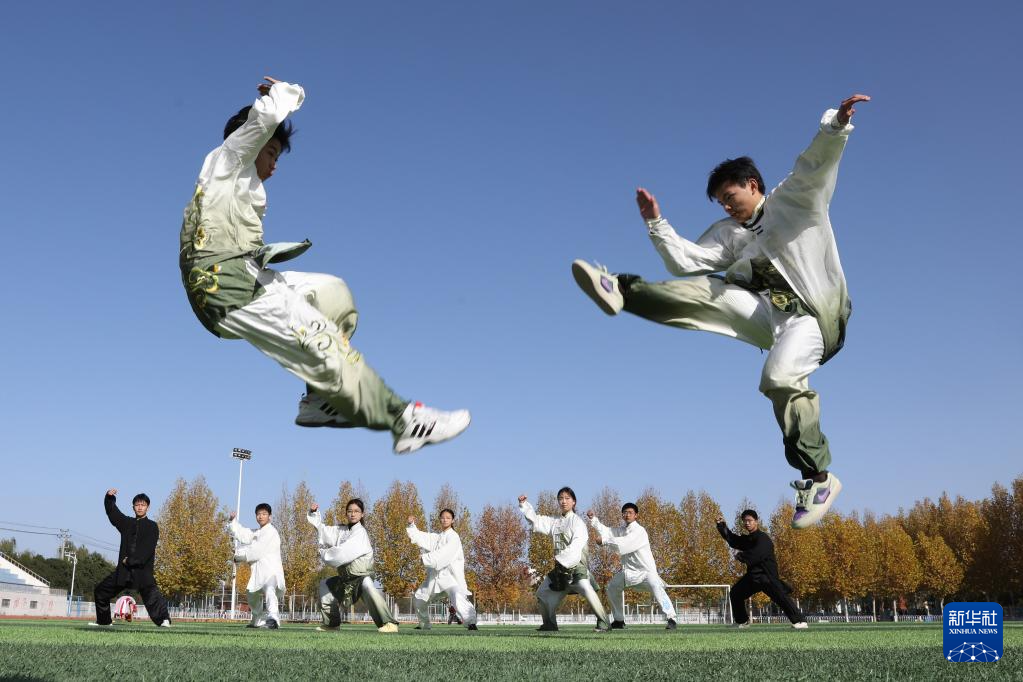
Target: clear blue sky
(452, 160)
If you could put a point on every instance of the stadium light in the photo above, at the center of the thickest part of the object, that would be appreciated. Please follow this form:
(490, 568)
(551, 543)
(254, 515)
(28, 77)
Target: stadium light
(242, 455)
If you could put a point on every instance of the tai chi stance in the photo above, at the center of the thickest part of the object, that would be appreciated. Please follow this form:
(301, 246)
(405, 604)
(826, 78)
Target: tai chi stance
(638, 572)
(757, 551)
(135, 558)
(571, 573)
(783, 289)
(261, 550)
(303, 321)
(347, 548)
(444, 560)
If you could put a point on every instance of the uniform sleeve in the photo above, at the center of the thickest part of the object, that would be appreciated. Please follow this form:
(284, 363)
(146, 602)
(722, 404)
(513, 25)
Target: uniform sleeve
(631, 541)
(811, 183)
(734, 541)
(325, 535)
(267, 112)
(572, 554)
(353, 547)
(263, 544)
(239, 532)
(421, 539)
(603, 531)
(442, 557)
(539, 524)
(712, 252)
(117, 519)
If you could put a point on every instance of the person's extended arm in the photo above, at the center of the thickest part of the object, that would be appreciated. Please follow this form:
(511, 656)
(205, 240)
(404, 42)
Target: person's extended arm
(277, 100)
(811, 183)
(540, 524)
(682, 257)
(734, 541)
(351, 548)
(629, 542)
(442, 557)
(264, 543)
(603, 531)
(116, 517)
(239, 532)
(325, 535)
(419, 538)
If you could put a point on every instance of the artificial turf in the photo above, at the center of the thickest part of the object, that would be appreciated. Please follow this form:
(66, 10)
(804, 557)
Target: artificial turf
(66, 650)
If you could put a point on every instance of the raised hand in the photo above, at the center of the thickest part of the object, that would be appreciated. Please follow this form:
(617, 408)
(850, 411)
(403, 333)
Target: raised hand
(112, 492)
(313, 507)
(589, 513)
(264, 88)
(648, 207)
(522, 498)
(232, 516)
(411, 520)
(846, 108)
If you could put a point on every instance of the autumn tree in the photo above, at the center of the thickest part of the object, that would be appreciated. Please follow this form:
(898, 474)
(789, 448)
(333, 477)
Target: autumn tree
(346, 491)
(499, 543)
(298, 540)
(447, 498)
(942, 574)
(898, 571)
(802, 561)
(194, 551)
(541, 547)
(398, 564)
(606, 505)
(849, 571)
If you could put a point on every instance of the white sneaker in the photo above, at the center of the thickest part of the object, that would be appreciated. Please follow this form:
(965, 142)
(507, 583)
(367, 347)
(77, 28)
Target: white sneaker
(419, 425)
(800, 626)
(101, 625)
(388, 628)
(741, 626)
(813, 500)
(314, 411)
(165, 624)
(327, 628)
(600, 285)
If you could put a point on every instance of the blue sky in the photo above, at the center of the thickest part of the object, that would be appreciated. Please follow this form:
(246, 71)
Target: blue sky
(452, 160)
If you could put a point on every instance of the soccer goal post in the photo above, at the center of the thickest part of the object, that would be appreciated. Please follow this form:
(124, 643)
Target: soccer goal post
(695, 603)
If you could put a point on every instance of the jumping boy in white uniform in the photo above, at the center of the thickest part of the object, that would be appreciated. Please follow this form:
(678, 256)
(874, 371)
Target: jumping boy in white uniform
(783, 289)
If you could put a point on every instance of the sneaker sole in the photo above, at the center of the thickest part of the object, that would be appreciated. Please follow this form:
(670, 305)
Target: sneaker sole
(405, 448)
(310, 424)
(819, 510)
(585, 281)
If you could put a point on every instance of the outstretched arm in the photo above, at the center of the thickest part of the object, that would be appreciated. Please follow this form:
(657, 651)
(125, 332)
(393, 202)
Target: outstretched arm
(116, 517)
(811, 183)
(277, 100)
(682, 257)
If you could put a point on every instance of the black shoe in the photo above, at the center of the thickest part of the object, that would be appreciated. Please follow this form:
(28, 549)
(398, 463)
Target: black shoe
(547, 627)
(271, 624)
(471, 627)
(250, 625)
(671, 624)
(618, 625)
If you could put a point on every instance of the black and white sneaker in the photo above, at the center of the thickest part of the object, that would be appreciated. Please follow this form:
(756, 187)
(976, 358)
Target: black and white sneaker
(672, 625)
(419, 425)
(314, 411)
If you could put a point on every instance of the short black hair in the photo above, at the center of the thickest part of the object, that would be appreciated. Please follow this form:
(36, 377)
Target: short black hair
(264, 506)
(749, 512)
(630, 505)
(282, 133)
(733, 172)
(566, 489)
(141, 496)
(449, 511)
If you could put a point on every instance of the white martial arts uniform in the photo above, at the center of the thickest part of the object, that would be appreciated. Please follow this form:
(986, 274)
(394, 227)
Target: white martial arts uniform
(571, 541)
(638, 572)
(348, 549)
(444, 560)
(261, 550)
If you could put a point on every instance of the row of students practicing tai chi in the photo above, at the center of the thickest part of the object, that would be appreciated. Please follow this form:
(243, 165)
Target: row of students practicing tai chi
(347, 549)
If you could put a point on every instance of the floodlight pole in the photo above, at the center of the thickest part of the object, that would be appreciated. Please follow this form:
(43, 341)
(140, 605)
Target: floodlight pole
(241, 455)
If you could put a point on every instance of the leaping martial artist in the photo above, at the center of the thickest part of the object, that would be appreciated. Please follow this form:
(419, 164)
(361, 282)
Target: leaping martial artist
(347, 548)
(303, 321)
(571, 573)
(444, 560)
(638, 571)
(783, 289)
(261, 550)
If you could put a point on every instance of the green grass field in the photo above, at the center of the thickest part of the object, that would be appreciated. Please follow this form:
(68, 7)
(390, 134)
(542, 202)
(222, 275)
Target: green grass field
(61, 650)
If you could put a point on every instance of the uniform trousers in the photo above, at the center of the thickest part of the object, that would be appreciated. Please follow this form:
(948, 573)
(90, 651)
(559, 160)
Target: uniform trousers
(616, 595)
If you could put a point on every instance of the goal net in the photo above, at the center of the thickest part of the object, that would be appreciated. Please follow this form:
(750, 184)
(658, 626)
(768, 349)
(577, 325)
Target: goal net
(694, 604)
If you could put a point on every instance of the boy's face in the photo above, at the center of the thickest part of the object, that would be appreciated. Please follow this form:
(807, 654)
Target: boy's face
(262, 517)
(141, 508)
(750, 523)
(266, 160)
(629, 515)
(739, 201)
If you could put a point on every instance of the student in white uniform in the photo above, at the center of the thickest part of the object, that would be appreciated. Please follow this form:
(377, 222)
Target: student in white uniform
(261, 550)
(638, 572)
(347, 548)
(304, 321)
(783, 289)
(571, 573)
(444, 560)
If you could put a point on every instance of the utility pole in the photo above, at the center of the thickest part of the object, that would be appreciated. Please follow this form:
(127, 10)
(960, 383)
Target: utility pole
(241, 455)
(72, 556)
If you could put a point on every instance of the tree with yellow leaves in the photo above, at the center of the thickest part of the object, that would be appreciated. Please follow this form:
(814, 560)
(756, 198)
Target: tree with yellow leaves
(346, 491)
(898, 570)
(194, 551)
(540, 555)
(604, 561)
(298, 540)
(499, 542)
(398, 565)
(447, 498)
(800, 553)
(942, 574)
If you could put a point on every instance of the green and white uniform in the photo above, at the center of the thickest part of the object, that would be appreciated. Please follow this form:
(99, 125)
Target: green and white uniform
(571, 551)
(303, 321)
(783, 289)
(347, 548)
